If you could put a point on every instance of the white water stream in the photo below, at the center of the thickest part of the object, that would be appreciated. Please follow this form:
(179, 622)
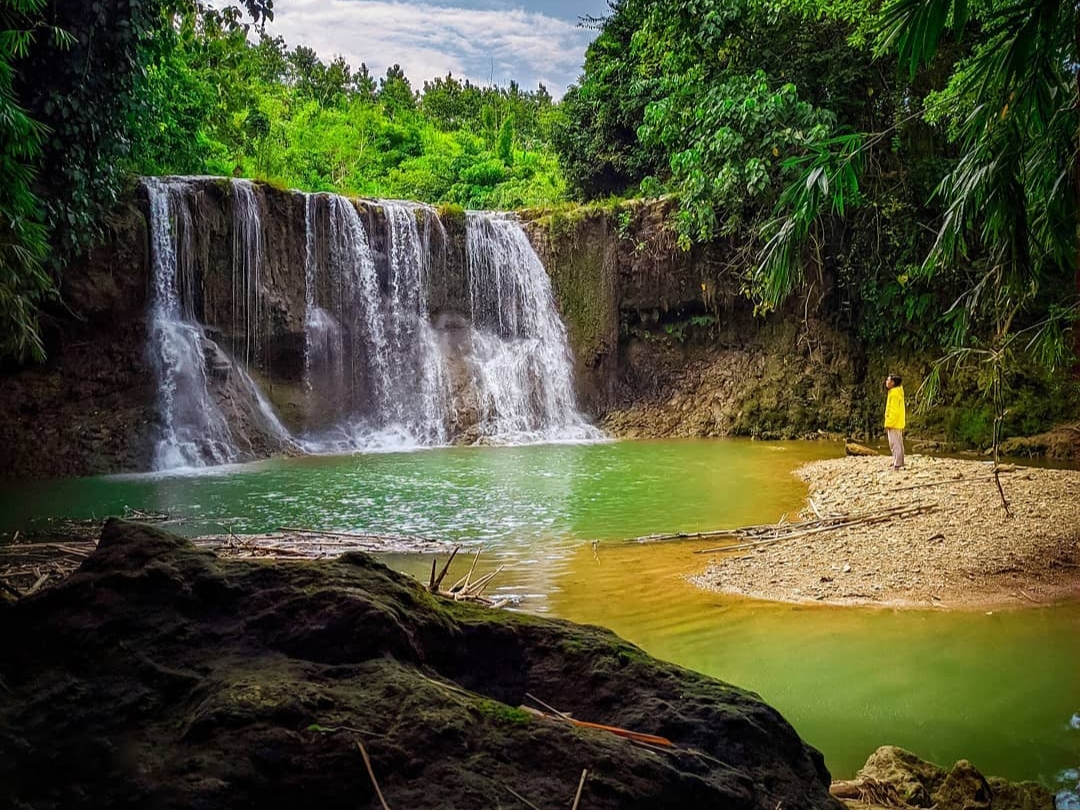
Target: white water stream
(378, 372)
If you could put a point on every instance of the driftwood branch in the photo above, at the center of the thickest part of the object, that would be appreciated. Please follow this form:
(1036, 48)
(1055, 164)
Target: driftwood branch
(762, 536)
(1001, 492)
(436, 581)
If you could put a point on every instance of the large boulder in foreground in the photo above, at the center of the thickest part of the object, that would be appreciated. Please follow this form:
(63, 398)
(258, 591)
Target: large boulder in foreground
(159, 676)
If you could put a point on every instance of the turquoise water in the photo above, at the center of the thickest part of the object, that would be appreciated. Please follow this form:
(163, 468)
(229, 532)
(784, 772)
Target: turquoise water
(1001, 689)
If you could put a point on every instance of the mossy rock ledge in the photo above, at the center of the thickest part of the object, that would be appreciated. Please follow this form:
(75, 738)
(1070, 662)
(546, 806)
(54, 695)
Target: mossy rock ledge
(159, 676)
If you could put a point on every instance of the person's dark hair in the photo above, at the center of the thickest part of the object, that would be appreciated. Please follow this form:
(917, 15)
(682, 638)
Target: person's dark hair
(896, 379)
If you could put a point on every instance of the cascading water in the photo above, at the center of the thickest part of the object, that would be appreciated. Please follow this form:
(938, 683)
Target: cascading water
(520, 359)
(514, 357)
(345, 329)
(193, 430)
(371, 352)
(247, 264)
(378, 370)
(417, 387)
(196, 430)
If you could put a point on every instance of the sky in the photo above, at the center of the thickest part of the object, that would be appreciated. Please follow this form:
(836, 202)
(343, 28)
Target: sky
(485, 41)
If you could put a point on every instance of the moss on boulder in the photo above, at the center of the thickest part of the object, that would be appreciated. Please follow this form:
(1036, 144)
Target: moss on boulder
(160, 676)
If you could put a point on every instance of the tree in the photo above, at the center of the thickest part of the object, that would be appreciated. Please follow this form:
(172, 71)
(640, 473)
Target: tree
(596, 136)
(327, 84)
(395, 91)
(363, 84)
(1010, 216)
(504, 145)
(23, 236)
(74, 82)
(1009, 228)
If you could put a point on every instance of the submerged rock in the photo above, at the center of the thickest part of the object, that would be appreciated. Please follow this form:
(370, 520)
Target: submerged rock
(159, 676)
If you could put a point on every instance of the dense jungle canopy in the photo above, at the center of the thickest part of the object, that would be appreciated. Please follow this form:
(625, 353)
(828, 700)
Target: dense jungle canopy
(915, 159)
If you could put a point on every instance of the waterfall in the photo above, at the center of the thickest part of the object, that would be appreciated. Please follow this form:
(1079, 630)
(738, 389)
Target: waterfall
(208, 405)
(417, 389)
(520, 360)
(378, 369)
(371, 353)
(247, 264)
(193, 430)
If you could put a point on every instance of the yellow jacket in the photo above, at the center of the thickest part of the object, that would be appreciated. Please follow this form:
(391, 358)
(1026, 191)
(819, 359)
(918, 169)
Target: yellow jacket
(895, 415)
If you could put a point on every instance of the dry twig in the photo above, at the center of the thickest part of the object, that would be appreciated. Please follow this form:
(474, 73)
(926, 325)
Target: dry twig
(371, 773)
(520, 798)
(793, 531)
(581, 785)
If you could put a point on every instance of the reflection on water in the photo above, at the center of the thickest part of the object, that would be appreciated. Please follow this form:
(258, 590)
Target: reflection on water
(989, 687)
(997, 688)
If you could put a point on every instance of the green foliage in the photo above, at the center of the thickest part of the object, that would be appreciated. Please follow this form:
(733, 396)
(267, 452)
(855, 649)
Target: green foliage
(739, 108)
(23, 235)
(1008, 233)
(724, 143)
(744, 108)
(595, 133)
(681, 329)
(504, 145)
(226, 105)
(1031, 403)
(826, 181)
(83, 88)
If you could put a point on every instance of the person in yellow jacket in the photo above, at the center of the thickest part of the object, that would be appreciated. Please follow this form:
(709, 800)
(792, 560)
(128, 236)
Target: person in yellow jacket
(895, 419)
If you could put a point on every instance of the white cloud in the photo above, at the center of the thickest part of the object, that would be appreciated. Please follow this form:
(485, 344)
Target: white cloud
(429, 40)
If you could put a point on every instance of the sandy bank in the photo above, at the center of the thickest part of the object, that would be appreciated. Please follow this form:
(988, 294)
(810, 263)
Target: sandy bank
(965, 553)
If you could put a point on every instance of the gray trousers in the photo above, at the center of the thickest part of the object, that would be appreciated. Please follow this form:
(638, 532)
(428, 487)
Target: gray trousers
(896, 444)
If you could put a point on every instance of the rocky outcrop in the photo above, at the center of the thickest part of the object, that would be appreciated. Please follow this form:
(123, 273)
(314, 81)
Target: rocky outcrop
(893, 777)
(158, 676)
(667, 344)
(88, 408)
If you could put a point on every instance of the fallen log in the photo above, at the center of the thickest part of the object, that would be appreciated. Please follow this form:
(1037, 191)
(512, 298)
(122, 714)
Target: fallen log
(761, 530)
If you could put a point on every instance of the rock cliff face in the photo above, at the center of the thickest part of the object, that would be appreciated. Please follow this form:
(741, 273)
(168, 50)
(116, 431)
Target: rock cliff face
(158, 676)
(229, 320)
(666, 344)
(663, 342)
(89, 408)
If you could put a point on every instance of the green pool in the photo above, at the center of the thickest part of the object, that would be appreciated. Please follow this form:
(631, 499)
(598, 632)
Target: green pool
(1001, 689)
